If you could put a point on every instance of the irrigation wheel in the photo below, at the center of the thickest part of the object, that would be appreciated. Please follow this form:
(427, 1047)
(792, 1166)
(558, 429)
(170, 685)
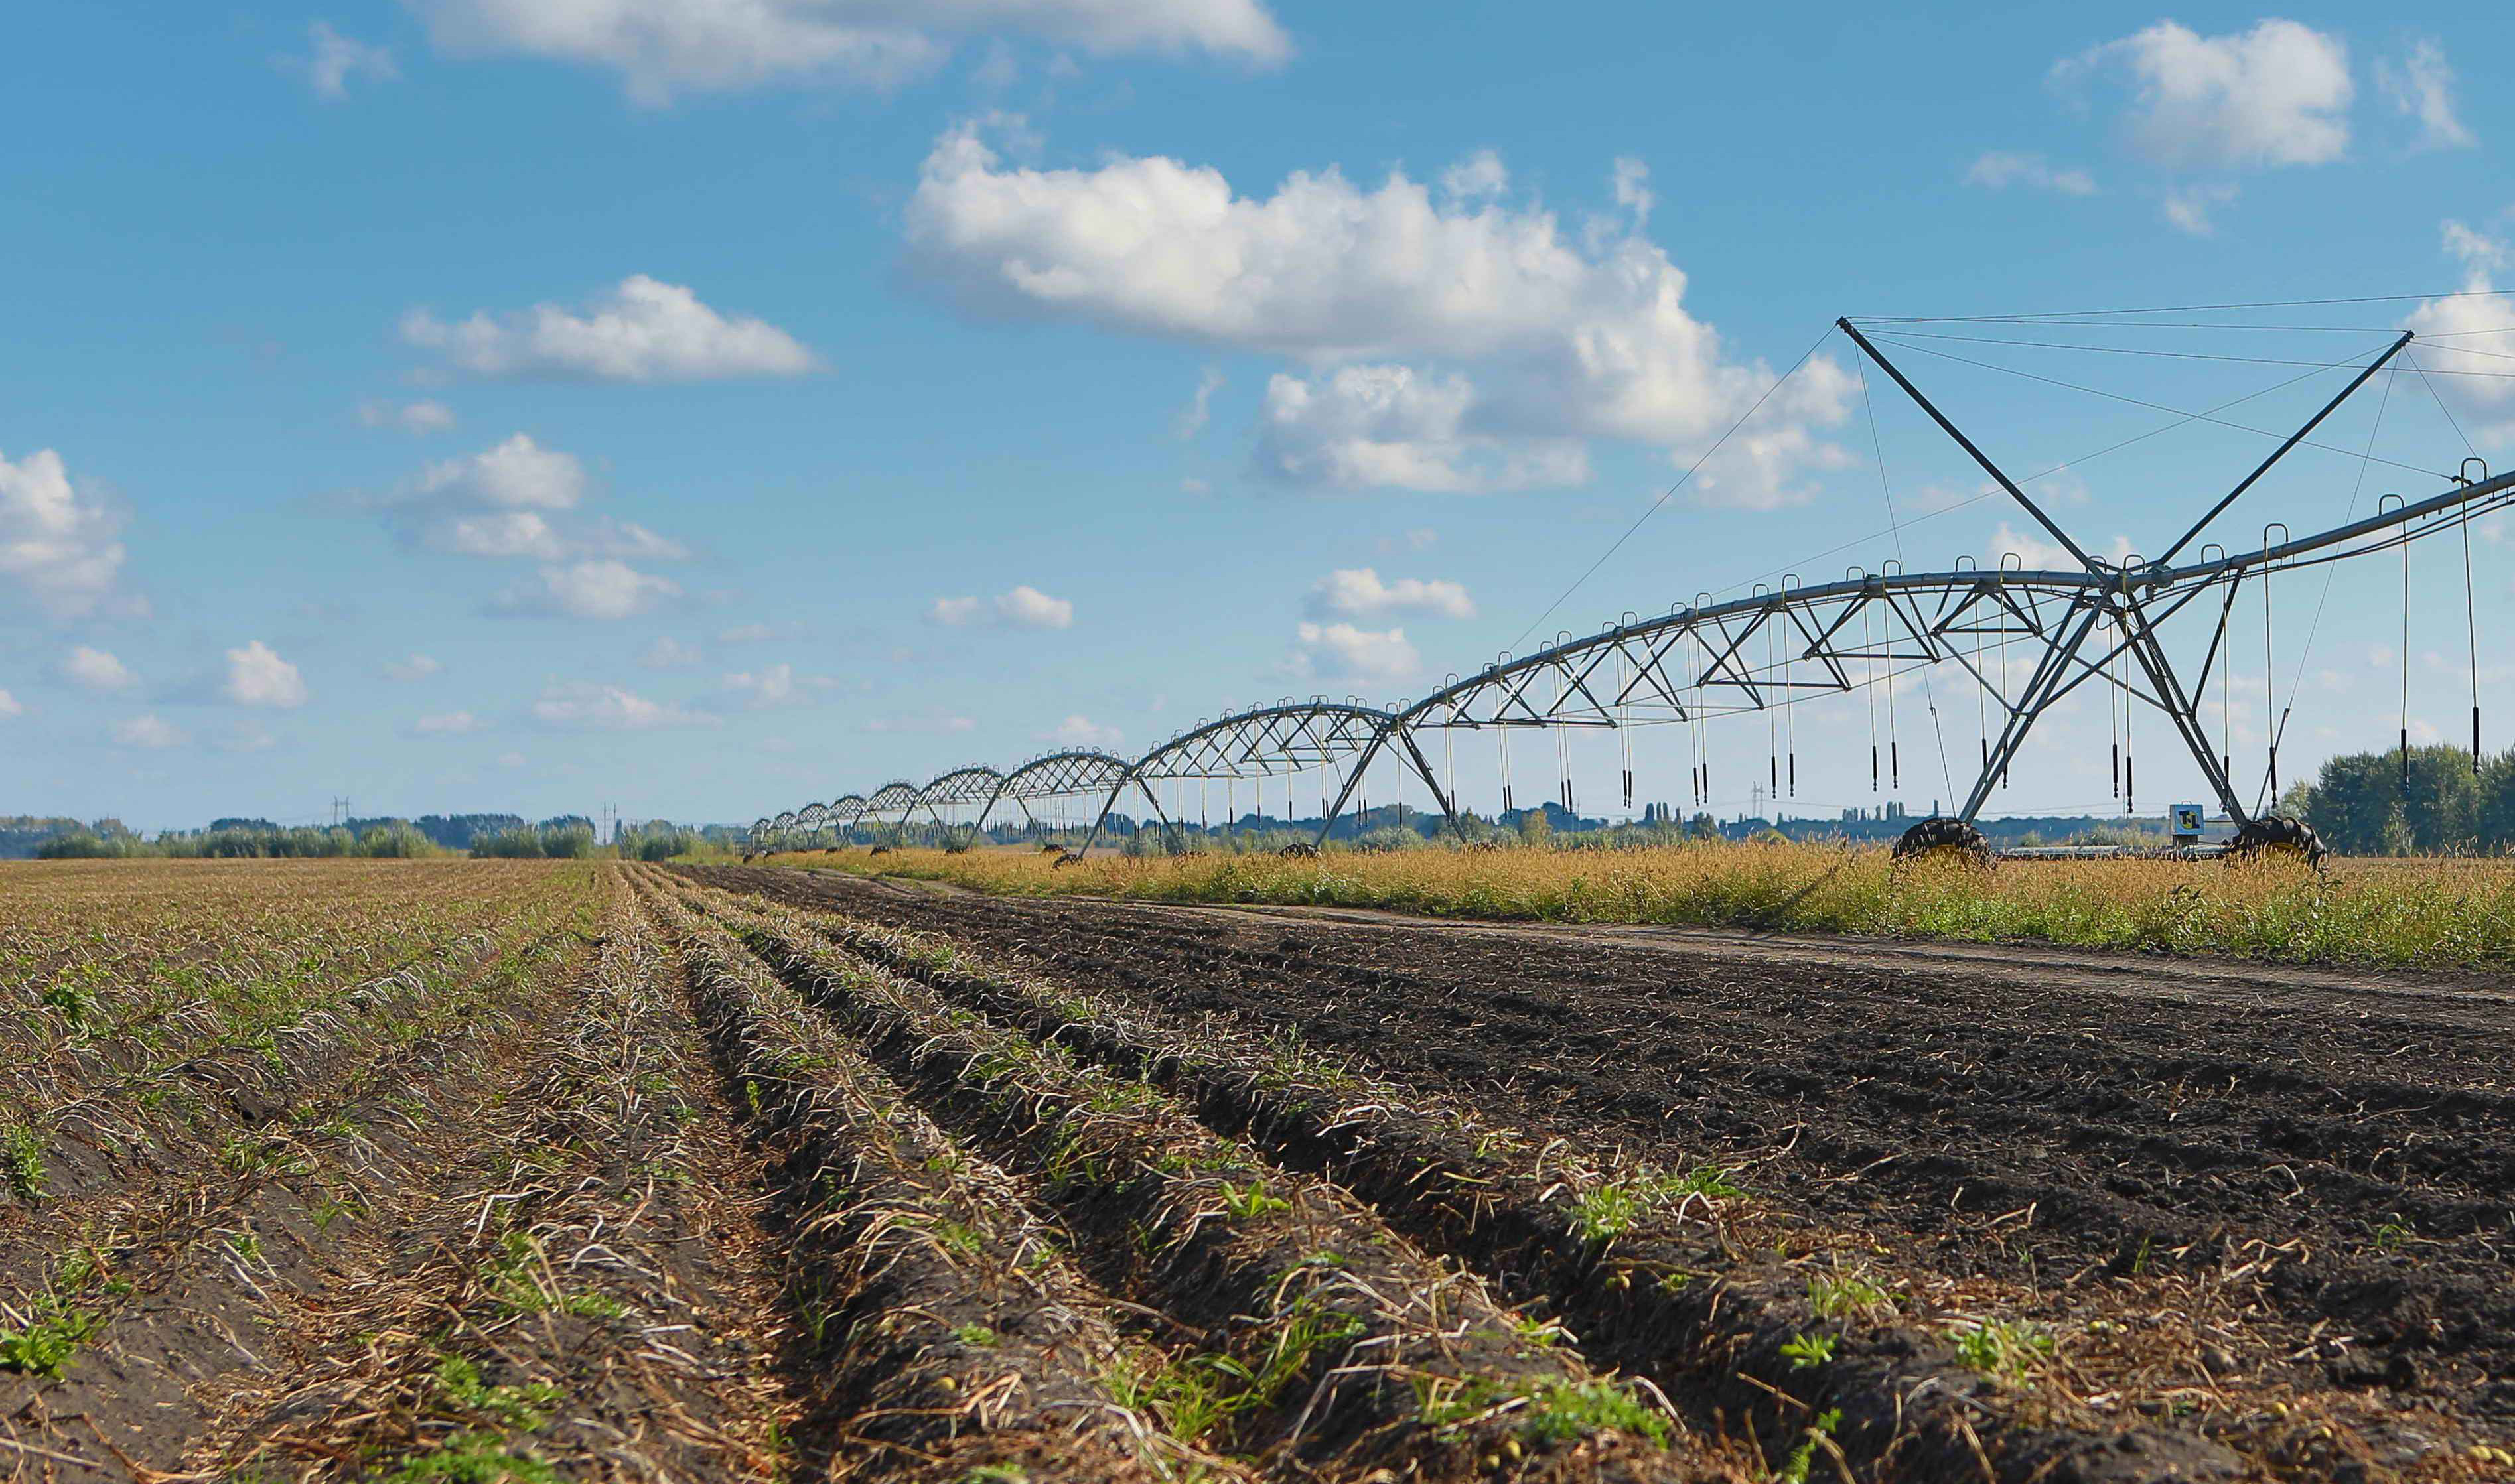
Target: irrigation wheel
(2278, 836)
(1942, 839)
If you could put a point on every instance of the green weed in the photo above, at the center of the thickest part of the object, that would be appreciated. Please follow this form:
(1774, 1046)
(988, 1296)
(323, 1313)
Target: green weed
(1608, 1211)
(473, 1458)
(1795, 1468)
(21, 1162)
(523, 1406)
(1805, 1352)
(1245, 1202)
(2001, 1348)
(1835, 1295)
(1550, 1412)
(49, 1336)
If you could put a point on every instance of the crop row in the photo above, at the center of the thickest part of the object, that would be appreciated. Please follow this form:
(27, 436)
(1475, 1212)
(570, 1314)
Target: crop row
(1674, 1274)
(1332, 1342)
(554, 1290)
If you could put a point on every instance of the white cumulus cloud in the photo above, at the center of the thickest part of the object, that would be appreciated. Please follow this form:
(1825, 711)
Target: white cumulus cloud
(2000, 169)
(258, 677)
(149, 731)
(416, 666)
(1082, 732)
(2276, 95)
(514, 501)
(2420, 87)
(96, 669)
(1390, 426)
(1028, 608)
(1341, 651)
(642, 331)
(1024, 607)
(1452, 343)
(2188, 207)
(452, 723)
(59, 542)
(669, 653)
(9, 706)
(587, 707)
(2467, 333)
(1479, 177)
(599, 589)
(1199, 411)
(425, 416)
(333, 59)
(660, 47)
(2038, 554)
(1360, 593)
(775, 685)
(515, 475)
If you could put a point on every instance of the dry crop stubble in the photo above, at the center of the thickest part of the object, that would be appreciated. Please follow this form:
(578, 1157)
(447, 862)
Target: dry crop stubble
(1683, 1275)
(2189, 1192)
(2378, 913)
(1347, 1348)
(213, 1144)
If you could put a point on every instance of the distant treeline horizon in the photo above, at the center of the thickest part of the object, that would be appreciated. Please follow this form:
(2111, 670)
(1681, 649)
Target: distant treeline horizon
(2360, 804)
(36, 837)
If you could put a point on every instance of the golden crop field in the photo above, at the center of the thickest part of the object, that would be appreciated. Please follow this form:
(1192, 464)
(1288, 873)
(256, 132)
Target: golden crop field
(2357, 912)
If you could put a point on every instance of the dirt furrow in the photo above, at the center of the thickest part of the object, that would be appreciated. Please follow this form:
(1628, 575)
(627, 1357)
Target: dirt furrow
(132, 1315)
(572, 1286)
(953, 1335)
(1369, 1355)
(1671, 1273)
(2296, 1173)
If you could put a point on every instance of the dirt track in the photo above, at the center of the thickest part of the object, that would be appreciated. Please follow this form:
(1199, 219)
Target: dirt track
(2070, 1119)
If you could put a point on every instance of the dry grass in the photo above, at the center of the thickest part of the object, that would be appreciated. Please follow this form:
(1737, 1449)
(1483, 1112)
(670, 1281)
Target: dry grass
(2439, 913)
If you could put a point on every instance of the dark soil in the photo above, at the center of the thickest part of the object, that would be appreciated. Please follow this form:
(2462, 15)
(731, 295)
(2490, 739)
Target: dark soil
(2047, 1125)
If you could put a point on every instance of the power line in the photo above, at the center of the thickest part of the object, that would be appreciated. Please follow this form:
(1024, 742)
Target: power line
(2182, 309)
(1904, 336)
(2116, 397)
(2086, 458)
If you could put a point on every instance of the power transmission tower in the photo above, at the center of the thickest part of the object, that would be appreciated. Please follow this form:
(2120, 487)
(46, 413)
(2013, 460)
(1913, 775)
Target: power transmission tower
(339, 806)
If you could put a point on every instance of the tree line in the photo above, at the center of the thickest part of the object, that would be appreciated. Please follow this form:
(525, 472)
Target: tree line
(569, 836)
(2361, 804)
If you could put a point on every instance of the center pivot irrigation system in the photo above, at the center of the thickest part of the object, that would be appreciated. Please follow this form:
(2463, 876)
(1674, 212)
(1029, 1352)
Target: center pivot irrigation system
(2027, 638)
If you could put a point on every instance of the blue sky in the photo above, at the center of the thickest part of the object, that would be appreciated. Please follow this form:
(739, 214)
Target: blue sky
(481, 404)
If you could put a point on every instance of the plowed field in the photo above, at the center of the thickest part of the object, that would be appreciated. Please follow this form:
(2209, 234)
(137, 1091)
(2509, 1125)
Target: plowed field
(472, 1171)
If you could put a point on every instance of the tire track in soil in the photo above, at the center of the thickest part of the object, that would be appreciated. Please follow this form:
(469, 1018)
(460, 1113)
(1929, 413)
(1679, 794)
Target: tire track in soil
(2112, 1135)
(1436, 1381)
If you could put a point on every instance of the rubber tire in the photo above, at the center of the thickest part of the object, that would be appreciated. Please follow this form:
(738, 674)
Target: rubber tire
(1064, 859)
(1296, 850)
(2274, 834)
(881, 851)
(1939, 837)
